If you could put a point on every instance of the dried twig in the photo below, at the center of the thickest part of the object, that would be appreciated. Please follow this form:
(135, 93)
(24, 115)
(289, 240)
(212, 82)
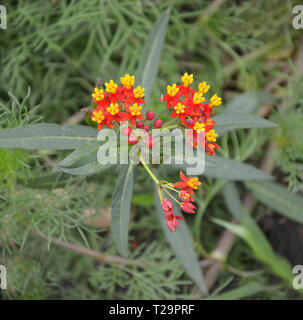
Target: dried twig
(104, 258)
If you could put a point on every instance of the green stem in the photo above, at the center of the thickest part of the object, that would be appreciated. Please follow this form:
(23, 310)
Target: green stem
(169, 122)
(172, 197)
(171, 127)
(149, 171)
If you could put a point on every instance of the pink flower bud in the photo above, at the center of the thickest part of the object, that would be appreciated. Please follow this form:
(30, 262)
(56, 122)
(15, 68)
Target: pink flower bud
(188, 207)
(190, 121)
(186, 197)
(167, 205)
(150, 142)
(158, 124)
(140, 125)
(150, 115)
(127, 131)
(132, 140)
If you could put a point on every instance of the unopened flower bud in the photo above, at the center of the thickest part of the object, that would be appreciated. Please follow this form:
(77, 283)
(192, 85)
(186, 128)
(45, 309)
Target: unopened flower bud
(132, 140)
(127, 131)
(188, 207)
(158, 124)
(150, 115)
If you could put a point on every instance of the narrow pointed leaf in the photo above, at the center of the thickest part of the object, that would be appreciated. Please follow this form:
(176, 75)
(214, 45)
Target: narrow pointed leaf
(231, 198)
(47, 136)
(81, 152)
(229, 169)
(227, 122)
(121, 206)
(250, 232)
(182, 245)
(278, 198)
(253, 235)
(248, 102)
(91, 167)
(151, 55)
(243, 291)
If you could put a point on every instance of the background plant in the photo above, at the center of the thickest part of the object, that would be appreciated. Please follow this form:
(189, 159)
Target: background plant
(236, 47)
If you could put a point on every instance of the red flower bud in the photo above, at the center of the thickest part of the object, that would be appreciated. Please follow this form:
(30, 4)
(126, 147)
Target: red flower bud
(158, 124)
(167, 205)
(186, 197)
(171, 220)
(127, 131)
(150, 115)
(188, 207)
(169, 215)
(150, 142)
(146, 128)
(132, 140)
(190, 121)
(140, 125)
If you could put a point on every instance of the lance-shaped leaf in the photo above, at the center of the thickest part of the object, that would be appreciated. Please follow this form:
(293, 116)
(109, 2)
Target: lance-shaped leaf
(80, 153)
(278, 198)
(243, 291)
(232, 199)
(229, 169)
(91, 167)
(47, 136)
(121, 203)
(248, 102)
(226, 122)
(250, 232)
(182, 245)
(151, 55)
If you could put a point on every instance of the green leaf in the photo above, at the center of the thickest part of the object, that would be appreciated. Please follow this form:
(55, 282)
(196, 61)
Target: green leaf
(121, 206)
(47, 136)
(226, 122)
(244, 291)
(219, 167)
(278, 198)
(81, 152)
(182, 245)
(90, 167)
(253, 235)
(248, 102)
(149, 63)
(232, 199)
(250, 232)
(223, 168)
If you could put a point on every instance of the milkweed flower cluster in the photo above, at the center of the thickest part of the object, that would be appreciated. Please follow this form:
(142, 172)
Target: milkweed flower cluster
(187, 187)
(116, 103)
(188, 108)
(192, 110)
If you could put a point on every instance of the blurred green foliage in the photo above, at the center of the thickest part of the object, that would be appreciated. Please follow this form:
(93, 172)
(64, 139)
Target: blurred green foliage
(59, 48)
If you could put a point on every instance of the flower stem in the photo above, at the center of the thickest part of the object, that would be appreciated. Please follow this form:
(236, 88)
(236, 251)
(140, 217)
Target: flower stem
(146, 167)
(172, 197)
(169, 122)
